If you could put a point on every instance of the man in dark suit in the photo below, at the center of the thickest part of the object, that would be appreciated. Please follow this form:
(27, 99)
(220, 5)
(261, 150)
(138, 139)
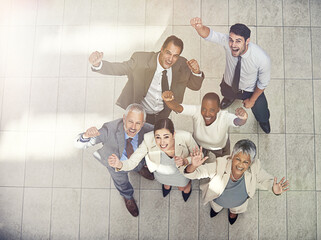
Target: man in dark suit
(150, 74)
(120, 137)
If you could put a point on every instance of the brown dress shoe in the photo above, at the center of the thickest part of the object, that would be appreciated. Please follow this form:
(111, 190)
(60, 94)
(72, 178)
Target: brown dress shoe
(146, 173)
(131, 206)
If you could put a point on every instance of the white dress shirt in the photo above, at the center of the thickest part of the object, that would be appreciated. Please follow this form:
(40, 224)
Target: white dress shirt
(255, 65)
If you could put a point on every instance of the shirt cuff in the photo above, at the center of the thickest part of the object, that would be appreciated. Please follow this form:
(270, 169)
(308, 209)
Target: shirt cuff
(81, 139)
(209, 37)
(198, 74)
(99, 67)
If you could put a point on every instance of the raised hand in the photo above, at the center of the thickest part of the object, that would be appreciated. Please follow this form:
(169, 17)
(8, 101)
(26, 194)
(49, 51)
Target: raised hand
(179, 161)
(95, 58)
(168, 96)
(280, 187)
(193, 65)
(241, 113)
(196, 23)
(114, 161)
(91, 132)
(197, 159)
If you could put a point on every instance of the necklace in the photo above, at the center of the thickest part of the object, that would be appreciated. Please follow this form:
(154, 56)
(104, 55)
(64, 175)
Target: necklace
(234, 179)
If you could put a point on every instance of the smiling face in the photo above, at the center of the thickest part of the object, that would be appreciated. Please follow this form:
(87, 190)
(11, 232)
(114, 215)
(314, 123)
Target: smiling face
(165, 139)
(133, 123)
(169, 55)
(209, 110)
(237, 44)
(240, 163)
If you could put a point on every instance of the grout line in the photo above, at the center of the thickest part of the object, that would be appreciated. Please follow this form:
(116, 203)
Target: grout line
(313, 120)
(56, 126)
(28, 122)
(285, 132)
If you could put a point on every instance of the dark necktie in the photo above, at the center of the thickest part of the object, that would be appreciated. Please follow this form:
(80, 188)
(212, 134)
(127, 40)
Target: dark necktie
(237, 74)
(165, 86)
(129, 147)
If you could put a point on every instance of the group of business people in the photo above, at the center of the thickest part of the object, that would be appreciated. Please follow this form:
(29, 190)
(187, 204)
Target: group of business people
(145, 139)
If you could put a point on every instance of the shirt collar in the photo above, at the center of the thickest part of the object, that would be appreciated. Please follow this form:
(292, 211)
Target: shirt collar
(248, 52)
(134, 138)
(159, 68)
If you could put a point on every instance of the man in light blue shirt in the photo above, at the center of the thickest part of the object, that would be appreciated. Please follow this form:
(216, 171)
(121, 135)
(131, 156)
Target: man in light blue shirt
(121, 137)
(247, 71)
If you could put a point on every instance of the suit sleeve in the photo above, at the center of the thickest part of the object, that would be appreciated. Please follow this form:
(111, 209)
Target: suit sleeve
(191, 144)
(117, 68)
(264, 179)
(204, 171)
(195, 82)
(135, 158)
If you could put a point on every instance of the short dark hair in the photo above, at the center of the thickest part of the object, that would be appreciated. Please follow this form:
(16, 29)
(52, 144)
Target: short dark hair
(176, 41)
(241, 30)
(164, 123)
(212, 96)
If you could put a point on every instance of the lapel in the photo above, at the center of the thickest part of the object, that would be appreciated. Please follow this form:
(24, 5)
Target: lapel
(150, 71)
(120, 135)
(179, 147)
(140, 136)
(175, 75)
(227, 172)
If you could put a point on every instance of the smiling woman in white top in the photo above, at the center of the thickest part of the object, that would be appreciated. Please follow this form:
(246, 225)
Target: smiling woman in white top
(210, 123)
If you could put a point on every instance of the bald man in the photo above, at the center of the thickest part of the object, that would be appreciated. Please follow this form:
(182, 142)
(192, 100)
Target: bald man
(210, 123)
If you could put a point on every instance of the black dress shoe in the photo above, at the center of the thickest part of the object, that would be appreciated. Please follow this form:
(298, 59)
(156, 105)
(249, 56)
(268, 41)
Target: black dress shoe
(186, 195)
(213, 213)
(226, 103)
(166, 191)
(232, 220)
(265, 126)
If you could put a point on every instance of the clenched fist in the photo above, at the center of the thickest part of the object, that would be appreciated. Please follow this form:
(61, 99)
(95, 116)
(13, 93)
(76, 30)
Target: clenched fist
(95, 58)
(196, 23)
(193, 65)
(91, 132)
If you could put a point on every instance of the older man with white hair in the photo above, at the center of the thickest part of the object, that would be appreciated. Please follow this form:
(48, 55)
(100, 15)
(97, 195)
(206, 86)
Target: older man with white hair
(121, 137)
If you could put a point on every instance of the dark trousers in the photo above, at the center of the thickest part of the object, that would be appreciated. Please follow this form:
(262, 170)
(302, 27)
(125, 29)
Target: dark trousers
(219, 153)
(121, 180)
(260, 109)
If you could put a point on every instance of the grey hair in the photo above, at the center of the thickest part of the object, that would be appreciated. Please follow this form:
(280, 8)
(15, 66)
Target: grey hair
(245, 146)
(135, 107)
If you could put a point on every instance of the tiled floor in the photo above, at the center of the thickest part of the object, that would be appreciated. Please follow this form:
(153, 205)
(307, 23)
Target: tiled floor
(48, 94)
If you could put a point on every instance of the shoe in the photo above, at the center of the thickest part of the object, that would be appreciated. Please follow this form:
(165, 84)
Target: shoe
(131, 206)
(226, 103)
(265, 126)
(186, 195)
(232, 220)
(213, 213)
(146, 173)
(166, 191)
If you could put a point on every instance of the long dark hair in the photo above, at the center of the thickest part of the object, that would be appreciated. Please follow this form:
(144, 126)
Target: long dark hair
(164, 123)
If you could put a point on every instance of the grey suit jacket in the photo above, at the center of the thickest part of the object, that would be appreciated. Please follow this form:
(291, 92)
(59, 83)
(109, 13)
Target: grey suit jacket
(112, 136)
(140, 69)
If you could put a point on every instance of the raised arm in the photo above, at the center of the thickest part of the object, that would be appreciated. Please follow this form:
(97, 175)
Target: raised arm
(202, 30)
(111, 68)
(169, 99)
(87, 139)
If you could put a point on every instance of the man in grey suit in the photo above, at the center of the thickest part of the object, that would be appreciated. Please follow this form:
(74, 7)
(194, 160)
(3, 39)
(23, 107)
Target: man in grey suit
(120, 137)
(150, 74)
